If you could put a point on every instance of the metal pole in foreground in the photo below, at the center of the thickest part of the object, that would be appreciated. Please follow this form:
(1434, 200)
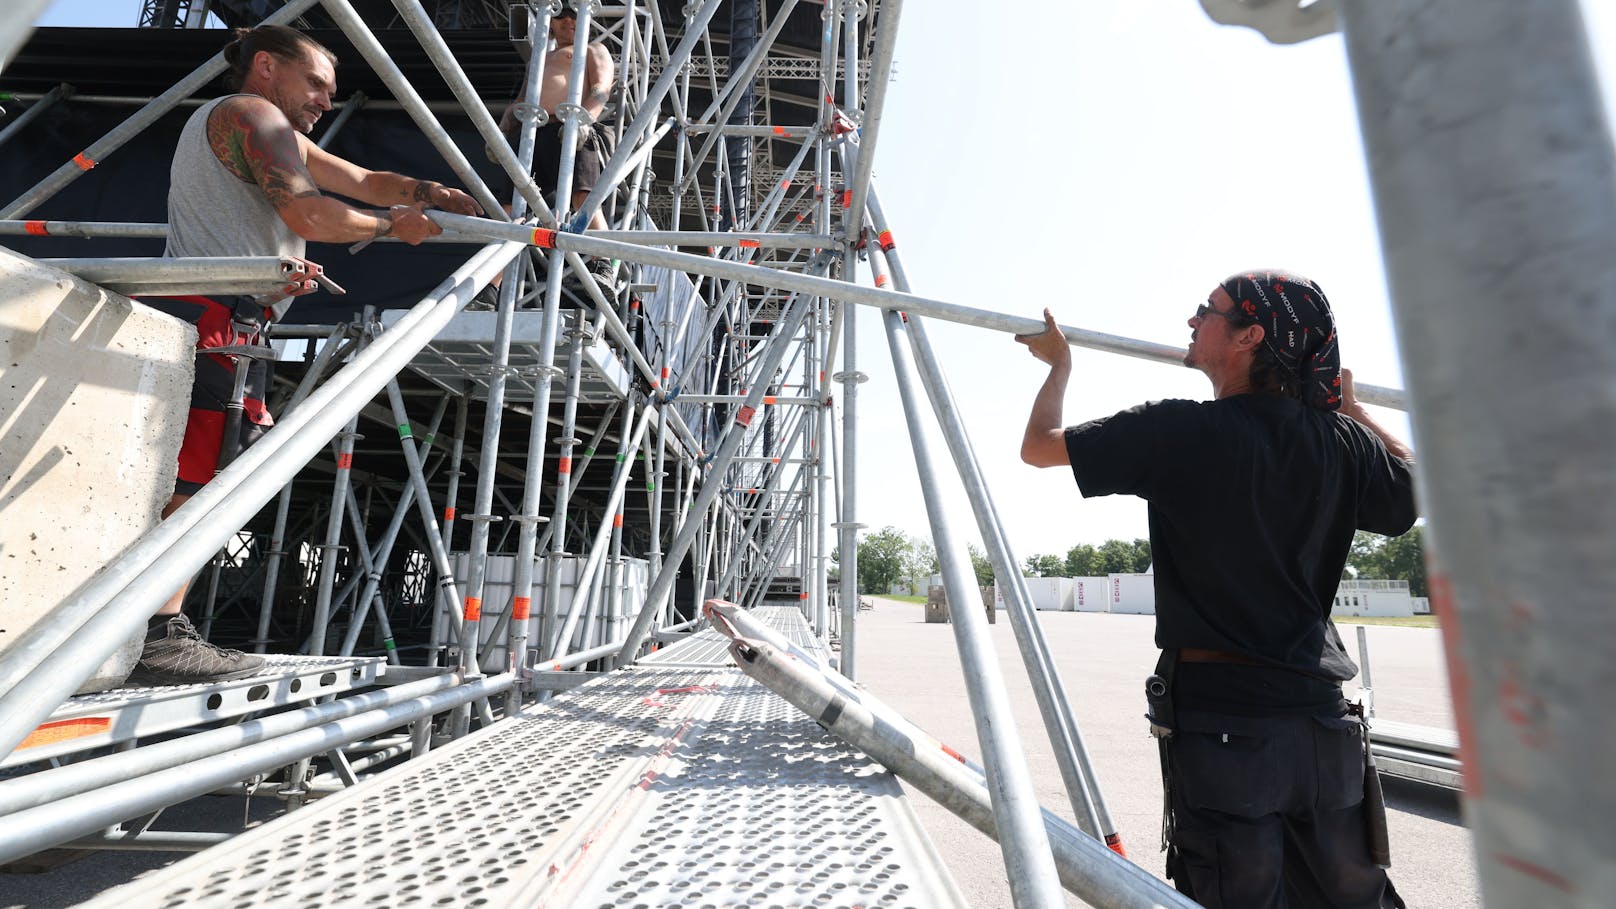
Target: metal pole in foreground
(839, 290)
(1060, 722)
(1027, 859)
(1521, 522)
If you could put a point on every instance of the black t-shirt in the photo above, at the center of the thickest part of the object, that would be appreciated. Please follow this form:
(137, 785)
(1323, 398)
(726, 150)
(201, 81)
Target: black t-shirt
(1253, 501)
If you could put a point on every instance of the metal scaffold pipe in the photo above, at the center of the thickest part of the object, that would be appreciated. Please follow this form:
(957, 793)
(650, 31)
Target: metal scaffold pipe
(1494, 183)
(584, 244)
(437, 50)
(613, 171)
(662, 585)
(1027, 859)
(1060, 723)
(59, 93)
(886, 41)
(32, 829)
(83, 776)
(730, 97)
(364, 41)
(84, 229)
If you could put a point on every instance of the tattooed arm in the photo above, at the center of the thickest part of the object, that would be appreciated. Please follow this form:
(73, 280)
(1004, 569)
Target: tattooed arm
(254, 141)
(380, 187)
(599, 71)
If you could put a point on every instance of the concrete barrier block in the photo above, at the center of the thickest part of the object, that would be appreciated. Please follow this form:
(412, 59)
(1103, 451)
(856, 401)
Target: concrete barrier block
(94, 390)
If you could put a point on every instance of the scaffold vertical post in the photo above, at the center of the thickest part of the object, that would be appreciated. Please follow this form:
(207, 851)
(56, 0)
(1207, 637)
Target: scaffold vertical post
(1028, 861)
(1060, 723)
(1494, 180)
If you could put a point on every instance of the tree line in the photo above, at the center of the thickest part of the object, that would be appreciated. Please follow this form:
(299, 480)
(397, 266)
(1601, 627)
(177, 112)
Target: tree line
(889, 556)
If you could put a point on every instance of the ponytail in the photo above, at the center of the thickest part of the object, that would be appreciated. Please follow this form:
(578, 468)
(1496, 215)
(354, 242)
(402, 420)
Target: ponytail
(287, 44)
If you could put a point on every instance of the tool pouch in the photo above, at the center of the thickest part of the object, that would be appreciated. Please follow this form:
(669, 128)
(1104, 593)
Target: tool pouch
(1374, 801)
(1159, 700)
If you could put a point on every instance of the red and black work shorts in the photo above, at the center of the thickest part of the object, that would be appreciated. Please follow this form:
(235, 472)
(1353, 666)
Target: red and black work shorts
(219, 322)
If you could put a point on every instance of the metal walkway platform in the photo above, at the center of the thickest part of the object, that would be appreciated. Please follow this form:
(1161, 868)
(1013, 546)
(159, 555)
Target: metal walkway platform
(1423, 753)
(122, 714)
(709, 648)
(683, 784)
(459, 356)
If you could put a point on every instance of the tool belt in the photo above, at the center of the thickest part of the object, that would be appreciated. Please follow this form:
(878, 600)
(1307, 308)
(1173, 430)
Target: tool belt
(1164, 723)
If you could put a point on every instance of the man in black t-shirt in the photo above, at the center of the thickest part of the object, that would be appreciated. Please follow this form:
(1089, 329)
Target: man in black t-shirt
(1253, 501)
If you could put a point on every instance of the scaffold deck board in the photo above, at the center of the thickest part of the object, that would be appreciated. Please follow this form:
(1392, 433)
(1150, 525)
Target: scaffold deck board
(123, 714)
(651, 786)
(459, 356)
(709, 648)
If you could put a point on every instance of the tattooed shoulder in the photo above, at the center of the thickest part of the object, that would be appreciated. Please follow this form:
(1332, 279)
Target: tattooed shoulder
(228, 124)
(254, 141)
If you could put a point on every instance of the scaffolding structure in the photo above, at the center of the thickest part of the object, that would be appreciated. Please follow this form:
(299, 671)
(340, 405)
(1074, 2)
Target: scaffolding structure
(690, 436)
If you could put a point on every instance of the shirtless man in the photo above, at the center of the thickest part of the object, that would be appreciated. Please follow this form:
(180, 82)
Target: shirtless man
(594, 140)
(246, 181)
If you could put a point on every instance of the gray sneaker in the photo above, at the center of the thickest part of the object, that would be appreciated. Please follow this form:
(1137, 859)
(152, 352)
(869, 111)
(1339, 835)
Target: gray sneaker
(181, 657)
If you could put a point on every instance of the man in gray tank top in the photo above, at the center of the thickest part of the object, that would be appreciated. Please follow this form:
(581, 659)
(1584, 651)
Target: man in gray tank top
(247, 181)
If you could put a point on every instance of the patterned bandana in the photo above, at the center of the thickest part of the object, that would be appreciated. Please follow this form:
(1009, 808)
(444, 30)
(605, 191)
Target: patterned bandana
(1297, 328)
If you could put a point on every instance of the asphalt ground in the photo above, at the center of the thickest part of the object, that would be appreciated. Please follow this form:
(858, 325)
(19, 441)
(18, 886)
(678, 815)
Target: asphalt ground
(1103, 660)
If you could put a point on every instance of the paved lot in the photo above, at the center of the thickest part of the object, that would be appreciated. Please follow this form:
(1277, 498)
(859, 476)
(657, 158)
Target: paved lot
(1103, 660)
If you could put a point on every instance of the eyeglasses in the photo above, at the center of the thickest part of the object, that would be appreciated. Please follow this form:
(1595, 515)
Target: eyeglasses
(1235, 317)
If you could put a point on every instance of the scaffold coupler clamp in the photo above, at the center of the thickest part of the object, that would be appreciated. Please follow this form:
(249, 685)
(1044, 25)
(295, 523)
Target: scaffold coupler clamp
(566, 110)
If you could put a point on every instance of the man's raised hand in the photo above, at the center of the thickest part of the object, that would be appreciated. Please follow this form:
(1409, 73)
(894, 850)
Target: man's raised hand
(1048, 345)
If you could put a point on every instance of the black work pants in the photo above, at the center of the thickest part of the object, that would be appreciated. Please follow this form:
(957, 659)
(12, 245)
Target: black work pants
(1268, 814)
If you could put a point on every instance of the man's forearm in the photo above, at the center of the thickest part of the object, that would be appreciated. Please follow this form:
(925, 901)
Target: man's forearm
(387, 188)
(323, 219)
(1041, 443)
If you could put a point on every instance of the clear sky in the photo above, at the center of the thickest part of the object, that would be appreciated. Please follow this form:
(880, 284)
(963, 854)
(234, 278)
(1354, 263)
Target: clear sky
(1107, 159)
(1110, 160)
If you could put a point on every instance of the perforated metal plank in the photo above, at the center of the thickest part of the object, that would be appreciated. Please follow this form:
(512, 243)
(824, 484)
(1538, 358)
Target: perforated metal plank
(458, 357)
(109, 717)
(761, 807)
(573, 796)
(709, 648)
